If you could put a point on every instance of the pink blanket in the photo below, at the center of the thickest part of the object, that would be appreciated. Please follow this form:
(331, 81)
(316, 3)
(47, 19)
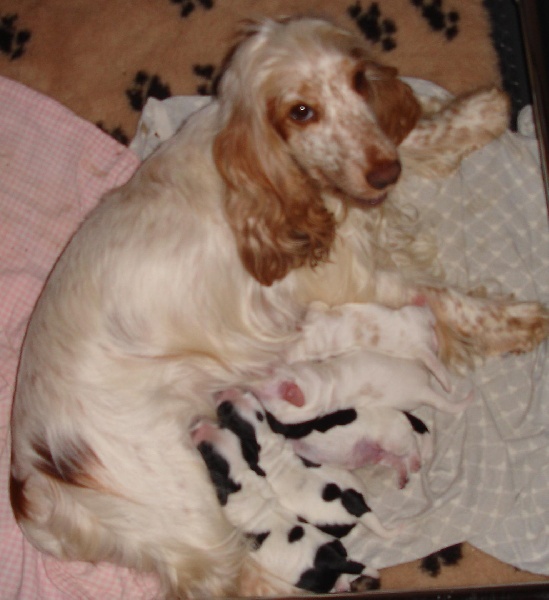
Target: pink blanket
(53, 168)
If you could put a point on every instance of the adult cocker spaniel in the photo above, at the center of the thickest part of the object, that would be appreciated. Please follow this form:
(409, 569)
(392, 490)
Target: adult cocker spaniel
(195, 276)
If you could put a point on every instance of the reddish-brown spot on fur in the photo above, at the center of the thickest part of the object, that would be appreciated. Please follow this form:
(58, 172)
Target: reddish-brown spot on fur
(73, 463)
(393, 102)
(19, 503)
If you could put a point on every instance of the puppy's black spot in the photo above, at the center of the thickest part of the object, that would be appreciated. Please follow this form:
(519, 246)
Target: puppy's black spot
(219, 470)
(295, 534)
(331, 492)
(309, 463)
(330, 562)
(417, 424)
(335, 530)
(257, 539)
(354, 503)
(231, 419)
(295, 431)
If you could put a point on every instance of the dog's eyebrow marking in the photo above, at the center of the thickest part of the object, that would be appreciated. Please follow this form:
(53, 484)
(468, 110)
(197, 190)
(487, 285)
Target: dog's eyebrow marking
(296, 431)
(73, 463)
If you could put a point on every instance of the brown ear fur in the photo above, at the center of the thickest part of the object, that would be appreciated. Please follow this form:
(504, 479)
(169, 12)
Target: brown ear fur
(396, 108)
(278, 218)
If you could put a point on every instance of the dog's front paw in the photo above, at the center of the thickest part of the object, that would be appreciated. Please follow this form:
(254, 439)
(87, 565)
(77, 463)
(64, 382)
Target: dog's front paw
(517, 328)
(492, 108)
(470, 326)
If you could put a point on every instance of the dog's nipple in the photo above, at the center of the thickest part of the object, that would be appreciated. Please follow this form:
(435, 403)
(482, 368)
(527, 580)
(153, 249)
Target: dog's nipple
(291, 392)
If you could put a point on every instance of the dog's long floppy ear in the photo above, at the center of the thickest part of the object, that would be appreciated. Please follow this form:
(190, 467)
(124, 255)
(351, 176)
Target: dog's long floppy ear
(393, 101)
(278, 218)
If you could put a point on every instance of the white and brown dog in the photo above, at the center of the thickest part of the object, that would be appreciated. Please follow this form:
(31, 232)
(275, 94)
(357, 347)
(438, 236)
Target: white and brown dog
(197, 273)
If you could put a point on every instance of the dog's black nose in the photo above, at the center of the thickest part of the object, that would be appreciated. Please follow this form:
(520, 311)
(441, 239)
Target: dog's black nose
(384, 174)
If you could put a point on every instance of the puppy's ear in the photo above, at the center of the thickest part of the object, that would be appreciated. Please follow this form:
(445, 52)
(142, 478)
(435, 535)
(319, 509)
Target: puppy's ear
(393, 101)
(278, 218)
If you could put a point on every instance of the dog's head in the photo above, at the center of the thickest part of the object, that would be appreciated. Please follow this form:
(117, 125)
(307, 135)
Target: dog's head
(304, 112)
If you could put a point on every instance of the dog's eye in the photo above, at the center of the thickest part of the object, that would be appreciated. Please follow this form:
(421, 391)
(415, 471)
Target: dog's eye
(302, 113)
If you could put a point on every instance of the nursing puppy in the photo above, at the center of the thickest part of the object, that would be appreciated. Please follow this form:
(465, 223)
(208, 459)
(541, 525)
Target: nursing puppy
(356, 407)
(331, 499)
(280, 542)
(370, 392)
(408, 332)
(350, 439)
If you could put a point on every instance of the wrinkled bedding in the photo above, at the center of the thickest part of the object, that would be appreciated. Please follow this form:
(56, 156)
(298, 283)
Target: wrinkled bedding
(488, 482)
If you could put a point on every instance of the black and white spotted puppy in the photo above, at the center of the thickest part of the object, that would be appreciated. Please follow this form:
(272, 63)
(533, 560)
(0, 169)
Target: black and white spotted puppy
(354, 409)
(331, 499)
(373, 436)
(292, 550)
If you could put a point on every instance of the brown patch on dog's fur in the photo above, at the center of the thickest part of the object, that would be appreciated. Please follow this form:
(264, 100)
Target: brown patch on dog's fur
(19, 503)
(74, 464)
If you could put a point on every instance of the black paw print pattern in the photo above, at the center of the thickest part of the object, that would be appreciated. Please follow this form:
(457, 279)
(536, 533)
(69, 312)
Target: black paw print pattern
(188, 6)
(146, 86)
(12, 39)
(117, 133)
(439, 20)
(210, 75)
(433, 563)
(374, 28)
